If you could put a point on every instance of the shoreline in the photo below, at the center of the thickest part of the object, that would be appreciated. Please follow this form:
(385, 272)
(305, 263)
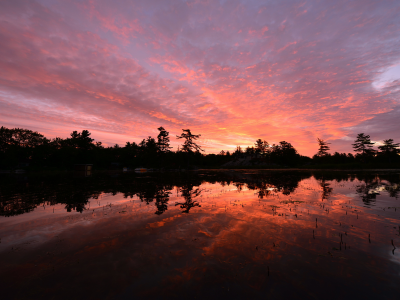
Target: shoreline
(60, 172)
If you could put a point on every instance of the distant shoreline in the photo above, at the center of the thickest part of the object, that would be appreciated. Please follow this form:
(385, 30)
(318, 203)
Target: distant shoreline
(64, 172)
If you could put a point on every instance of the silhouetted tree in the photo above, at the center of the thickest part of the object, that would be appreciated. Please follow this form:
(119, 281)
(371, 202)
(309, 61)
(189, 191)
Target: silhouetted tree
(18, 137)
(129, 152)
(285, 153)
(81, 140)
(17, 145)
(363, 144)
(238, 151)
(151, 145)
(323, 147)
(142, 144)
(130, 145)
(389, 149)
(189, 146)
(261, 147)
(58, 143)
(250, 151)
(163, 140)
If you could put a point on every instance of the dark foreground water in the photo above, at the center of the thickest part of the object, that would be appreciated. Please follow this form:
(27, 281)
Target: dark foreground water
(203, 235)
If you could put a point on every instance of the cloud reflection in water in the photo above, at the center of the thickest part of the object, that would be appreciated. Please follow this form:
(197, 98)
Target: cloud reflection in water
(207, 235)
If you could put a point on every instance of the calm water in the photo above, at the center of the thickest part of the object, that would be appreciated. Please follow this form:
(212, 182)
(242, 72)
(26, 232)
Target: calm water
(215, 235)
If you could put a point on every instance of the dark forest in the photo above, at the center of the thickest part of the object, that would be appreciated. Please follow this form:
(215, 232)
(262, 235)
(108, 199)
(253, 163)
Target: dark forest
(29, 150)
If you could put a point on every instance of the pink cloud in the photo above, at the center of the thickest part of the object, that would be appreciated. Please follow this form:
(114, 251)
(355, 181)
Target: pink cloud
(278, 71)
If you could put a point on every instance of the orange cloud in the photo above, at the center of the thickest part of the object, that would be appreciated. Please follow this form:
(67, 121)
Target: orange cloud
(128, 69)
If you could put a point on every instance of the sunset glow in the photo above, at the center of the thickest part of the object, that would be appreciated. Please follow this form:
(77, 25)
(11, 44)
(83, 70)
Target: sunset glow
(232, 71)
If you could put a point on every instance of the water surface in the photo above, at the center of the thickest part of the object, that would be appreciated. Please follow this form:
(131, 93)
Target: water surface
(242, 235)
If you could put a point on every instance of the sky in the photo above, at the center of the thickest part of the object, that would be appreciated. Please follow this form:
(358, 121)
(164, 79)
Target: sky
(232, 71)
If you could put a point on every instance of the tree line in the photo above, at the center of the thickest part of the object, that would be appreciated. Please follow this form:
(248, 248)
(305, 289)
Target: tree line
(284, 153)
(387, 152)
(22, 147)
(19, 147)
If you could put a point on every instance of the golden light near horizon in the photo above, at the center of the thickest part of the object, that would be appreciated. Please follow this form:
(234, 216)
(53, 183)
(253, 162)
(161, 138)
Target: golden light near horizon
(230, 71)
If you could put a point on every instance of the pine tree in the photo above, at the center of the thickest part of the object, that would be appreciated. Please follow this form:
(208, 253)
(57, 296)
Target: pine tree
(363, 144)
(163, 140)
(389, 147)
(189, 146)
(323, 147)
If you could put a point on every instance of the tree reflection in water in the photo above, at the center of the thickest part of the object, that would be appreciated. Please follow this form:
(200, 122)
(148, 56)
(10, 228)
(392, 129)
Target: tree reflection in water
(326, 189)
(188, 193)
(20, 195)
(372, 186)
(162, 198)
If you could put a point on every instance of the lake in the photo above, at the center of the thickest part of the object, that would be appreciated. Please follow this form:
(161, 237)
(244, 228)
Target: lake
(206, 234)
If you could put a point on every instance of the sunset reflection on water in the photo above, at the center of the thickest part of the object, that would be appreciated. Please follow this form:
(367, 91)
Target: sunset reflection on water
(210, 234)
